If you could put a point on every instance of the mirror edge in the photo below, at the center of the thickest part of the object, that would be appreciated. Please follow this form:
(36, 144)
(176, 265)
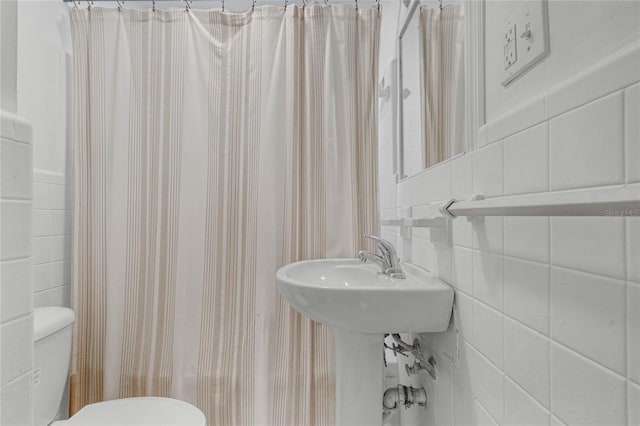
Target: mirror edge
(474, 70)
(406, 20)
(474, 79)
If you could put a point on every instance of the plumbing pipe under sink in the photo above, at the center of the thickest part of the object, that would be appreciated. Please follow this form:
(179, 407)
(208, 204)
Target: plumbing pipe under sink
(402, 395)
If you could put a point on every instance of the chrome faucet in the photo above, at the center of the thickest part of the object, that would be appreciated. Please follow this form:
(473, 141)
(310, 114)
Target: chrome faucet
(387, 259)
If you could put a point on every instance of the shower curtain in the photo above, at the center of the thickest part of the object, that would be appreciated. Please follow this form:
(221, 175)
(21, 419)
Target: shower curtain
(211, 148)
(442, 76)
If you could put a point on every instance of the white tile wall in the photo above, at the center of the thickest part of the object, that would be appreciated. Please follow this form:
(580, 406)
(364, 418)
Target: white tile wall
(583, 392)
(16, 402)
(487, 383)
(614, 72)
(588, 315)
(547, 319)
(15, 242)
(462, 235)
(488, 234)
(488, 284)
(572, 244)
(632, 133)
(526, 161)
(16, 279)
(461, 177)
(488, 170)
(634, 404)
(633, 331)
(16, 168)
(527, 238)
(51, 239)
(526, 115)
(596, 132)
(462, 269)
(17, 343)
(526, 354)
(554, 421)
(482, 416)
(526, 293)
(487, 329)
(633, 249)
(521, 409)
(463, 402)
(16, 320)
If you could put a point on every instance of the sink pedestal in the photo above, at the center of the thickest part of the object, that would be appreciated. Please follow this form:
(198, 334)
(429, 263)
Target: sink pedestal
(359, 374)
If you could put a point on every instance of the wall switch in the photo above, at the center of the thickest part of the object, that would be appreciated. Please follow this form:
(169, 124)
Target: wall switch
(526, 39)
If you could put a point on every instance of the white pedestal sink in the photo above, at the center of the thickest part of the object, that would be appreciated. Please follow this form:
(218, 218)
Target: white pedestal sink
(362, 304)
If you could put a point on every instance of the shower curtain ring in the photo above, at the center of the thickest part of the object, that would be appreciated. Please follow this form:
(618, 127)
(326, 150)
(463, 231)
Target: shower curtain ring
(119, 5)
(253, 5)
(187, 8)
(89, 5)
(75, 3)
(356, 4)
(286, 2)
(223, 5)
(378, 4)
(153, 8)
(304, 4)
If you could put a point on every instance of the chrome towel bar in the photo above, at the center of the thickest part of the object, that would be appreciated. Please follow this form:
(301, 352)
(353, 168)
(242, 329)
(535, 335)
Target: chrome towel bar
(608, 201)
(619, 201)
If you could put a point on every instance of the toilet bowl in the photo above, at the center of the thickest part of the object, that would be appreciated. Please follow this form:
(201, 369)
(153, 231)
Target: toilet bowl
(52, 350)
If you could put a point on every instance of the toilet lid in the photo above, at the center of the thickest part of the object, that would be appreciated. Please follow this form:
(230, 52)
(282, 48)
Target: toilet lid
(145, 411)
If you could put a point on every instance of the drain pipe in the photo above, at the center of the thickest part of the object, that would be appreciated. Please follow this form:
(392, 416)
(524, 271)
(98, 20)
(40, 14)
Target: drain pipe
(402, 395)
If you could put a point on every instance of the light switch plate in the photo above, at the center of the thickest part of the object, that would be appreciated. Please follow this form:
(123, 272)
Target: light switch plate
(531, 43)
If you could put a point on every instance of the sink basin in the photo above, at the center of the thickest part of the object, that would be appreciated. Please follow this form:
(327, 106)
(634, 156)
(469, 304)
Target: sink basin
(362, 304)
(357, 296)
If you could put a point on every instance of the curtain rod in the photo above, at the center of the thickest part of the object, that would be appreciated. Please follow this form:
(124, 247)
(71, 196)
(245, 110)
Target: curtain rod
(187, 2)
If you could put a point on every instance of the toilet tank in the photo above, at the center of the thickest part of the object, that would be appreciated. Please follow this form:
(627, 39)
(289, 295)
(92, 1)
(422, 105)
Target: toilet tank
(51, 353)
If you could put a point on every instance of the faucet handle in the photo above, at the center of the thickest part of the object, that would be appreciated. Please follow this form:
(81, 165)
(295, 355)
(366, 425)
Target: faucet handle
(390, 260)
(383, 245)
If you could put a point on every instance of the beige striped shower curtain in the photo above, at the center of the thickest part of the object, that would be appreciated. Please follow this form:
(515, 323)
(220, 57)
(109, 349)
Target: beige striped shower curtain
(442, 82)
(210, 149)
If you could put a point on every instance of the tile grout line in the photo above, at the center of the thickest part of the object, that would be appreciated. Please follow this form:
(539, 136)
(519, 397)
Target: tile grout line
(624, 136)
(549, 256)
(549, 358)
(504, 320)
(524, 390)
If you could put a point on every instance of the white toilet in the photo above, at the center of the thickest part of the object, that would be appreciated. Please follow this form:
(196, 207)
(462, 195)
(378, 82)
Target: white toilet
(52, 349)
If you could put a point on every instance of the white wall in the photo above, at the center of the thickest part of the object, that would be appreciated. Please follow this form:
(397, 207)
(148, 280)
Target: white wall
(51, 239)
(44, 79)
(34, 84)
(547, 319)
(8, 47)
(44, 66)
(44, 60)
(390, 16)
(582, 32)
(16, 320)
